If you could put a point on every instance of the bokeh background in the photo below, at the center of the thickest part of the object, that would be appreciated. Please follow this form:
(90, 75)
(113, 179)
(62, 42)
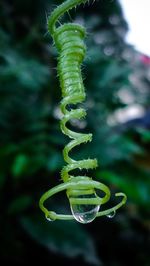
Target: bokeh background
(117, 81)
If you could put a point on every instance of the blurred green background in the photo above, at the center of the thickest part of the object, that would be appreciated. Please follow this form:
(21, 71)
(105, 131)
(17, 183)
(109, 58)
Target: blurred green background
(117, 80)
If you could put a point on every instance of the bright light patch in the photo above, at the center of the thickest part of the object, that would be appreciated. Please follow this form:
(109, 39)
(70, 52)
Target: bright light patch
(137, 15)
(123, 115)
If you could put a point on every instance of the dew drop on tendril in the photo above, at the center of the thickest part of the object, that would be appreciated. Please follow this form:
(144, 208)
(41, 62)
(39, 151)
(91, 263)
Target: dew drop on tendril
(48, 218)
(111, 214)
(85, 213)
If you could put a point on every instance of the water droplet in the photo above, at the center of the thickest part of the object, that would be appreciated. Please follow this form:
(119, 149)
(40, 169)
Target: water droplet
(111, 214)
(85, 213)
(48, 218)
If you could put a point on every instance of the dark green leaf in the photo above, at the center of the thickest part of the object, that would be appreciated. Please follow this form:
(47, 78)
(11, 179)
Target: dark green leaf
(20, 204)
(66, 238)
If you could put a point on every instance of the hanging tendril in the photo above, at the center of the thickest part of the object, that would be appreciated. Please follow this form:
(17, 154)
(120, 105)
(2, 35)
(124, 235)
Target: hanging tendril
(84, 202)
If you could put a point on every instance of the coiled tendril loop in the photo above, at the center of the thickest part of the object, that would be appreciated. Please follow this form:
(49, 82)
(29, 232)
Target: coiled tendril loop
(84, 202)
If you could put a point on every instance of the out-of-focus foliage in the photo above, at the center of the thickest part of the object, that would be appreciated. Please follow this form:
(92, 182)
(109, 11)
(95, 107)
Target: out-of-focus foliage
(117, 79)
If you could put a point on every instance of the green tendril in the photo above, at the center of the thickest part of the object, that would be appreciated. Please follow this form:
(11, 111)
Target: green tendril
(69, 40)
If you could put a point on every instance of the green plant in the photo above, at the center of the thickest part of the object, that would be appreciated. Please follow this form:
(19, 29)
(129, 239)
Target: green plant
(83, 199)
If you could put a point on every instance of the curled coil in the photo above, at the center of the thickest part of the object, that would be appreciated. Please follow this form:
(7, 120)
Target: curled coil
(69, 42)
(68, 39)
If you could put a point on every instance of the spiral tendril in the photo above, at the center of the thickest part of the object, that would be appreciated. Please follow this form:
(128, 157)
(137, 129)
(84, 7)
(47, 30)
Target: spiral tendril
(69, 40)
